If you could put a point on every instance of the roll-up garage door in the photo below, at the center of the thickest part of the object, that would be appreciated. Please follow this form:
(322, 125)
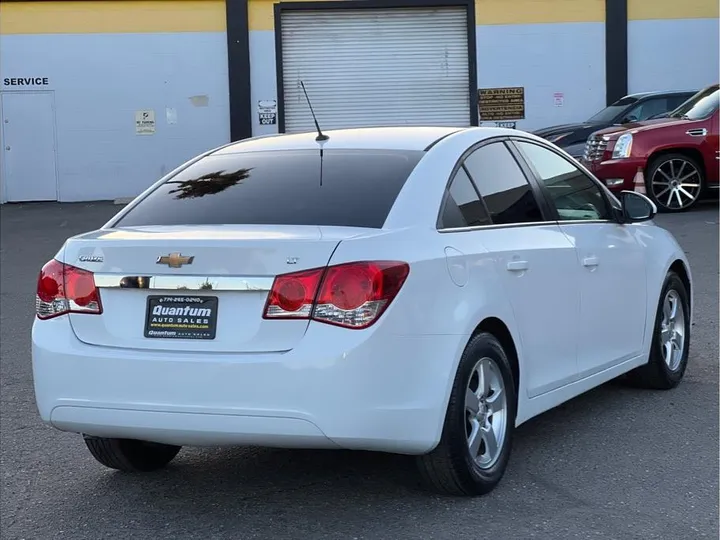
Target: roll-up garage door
(376, 67)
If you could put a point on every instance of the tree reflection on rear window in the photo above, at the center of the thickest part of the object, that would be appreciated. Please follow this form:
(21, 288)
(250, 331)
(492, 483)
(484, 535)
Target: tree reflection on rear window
(355, 188)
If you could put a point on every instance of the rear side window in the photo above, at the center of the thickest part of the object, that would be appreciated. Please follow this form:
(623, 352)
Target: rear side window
(463, 207)
(353, 188)
(503, 186)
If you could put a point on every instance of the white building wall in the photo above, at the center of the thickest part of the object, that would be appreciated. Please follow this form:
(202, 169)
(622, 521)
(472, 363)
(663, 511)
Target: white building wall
(672, 54)
(100, 80)
(549, 58)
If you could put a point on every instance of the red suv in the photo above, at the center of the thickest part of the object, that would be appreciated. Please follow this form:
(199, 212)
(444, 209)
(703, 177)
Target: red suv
(678, 155)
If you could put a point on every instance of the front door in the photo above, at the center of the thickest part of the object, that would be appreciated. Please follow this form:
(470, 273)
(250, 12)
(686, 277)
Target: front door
(610, 262)
(28, 146)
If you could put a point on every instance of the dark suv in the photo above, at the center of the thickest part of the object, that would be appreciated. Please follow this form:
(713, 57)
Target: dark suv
(632, 108)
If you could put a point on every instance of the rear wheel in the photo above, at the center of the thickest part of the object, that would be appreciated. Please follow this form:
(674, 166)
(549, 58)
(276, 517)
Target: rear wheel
(671, 339)
(129, 455)
(675, 182)
(475, 445)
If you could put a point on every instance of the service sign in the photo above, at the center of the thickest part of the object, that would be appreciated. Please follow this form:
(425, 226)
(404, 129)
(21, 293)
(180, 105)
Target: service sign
(26, 81)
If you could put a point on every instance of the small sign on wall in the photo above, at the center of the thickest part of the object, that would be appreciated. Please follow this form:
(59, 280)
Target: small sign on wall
(145, 122)
(559, 99)
(509, 125)
(171, 115)
(267, 112)
(496, 104)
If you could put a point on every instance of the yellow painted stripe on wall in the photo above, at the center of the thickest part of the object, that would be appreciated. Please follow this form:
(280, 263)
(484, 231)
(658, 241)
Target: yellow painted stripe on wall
(112, 16)
(538, 11)
(673, 9)
(261, 17)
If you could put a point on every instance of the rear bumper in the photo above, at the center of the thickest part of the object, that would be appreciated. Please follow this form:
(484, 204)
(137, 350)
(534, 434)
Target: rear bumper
(616, 174)
(338, 389)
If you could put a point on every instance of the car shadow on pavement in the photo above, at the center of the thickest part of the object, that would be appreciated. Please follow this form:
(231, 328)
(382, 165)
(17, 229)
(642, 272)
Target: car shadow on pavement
(229, 477)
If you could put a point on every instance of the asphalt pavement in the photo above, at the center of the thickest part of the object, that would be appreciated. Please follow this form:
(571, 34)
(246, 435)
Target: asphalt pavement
(615, 463)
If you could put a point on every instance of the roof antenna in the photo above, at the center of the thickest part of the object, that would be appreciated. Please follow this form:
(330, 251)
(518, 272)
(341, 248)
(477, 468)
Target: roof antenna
(321, 136)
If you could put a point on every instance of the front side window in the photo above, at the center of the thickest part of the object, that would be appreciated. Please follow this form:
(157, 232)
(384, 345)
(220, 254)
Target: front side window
(463, 207)
(575, 196)
(502, 185)
(352, 188)
(609, 113)
(704, 108)
(688, 105)
(648, 108)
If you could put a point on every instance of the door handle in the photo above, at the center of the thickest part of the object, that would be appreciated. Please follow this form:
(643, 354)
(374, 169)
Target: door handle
(517, 266)
(591, 261)
(697, 132)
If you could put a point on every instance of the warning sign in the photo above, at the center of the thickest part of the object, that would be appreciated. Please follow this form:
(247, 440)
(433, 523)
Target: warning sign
(501, 103)
(145, 122)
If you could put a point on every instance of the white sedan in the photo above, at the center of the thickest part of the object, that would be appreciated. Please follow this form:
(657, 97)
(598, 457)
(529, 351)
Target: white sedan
(420, 291)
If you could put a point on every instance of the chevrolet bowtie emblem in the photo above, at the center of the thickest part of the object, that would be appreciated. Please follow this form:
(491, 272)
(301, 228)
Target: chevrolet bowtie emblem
(174, 260)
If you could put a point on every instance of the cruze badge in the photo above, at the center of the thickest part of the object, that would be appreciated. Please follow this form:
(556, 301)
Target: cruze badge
(174, 260)
(91, 258)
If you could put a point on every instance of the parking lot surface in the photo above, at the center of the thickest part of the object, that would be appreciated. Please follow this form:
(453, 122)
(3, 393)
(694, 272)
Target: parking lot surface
(616, 463)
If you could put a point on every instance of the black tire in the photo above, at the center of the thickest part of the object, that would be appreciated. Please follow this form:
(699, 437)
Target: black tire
(449, 468)
(653, 189)
(657, 374)
(129, 455)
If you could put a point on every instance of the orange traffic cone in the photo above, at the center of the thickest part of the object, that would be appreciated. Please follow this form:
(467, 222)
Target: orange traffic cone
(639, 181)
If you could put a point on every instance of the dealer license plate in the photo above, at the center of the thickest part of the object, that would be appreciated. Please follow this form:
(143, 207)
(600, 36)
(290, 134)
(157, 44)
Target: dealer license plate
(181, 317)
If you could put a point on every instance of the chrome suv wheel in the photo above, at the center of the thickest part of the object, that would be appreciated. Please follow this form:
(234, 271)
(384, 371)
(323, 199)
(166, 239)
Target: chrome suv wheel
(675, 182)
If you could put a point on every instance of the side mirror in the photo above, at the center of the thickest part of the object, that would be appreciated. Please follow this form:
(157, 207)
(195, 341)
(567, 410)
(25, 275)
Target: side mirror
(636, 207)
(629, 119)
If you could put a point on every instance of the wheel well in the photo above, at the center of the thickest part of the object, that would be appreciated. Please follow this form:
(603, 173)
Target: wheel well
(693, 154)
(497, 328)
(679, 268)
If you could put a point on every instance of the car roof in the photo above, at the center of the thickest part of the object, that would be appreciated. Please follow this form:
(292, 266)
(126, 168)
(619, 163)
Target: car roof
(386, 138)
(655, 93)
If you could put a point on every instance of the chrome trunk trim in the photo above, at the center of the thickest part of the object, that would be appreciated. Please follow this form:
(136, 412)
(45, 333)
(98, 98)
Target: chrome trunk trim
(183, 283)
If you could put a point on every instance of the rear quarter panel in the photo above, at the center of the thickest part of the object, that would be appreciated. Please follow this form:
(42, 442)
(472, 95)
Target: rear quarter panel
(430, 303)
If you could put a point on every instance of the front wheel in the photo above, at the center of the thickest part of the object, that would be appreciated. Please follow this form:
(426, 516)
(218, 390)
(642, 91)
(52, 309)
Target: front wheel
(475, 445)
(675, 182)
(671, 339)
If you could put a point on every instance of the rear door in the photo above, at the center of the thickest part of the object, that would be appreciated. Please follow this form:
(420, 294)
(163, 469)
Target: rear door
(190, 266)
(610, 264)
(536, 265)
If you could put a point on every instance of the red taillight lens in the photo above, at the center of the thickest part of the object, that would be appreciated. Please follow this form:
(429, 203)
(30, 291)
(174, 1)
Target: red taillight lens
(352, 295)
(292, 295)
(65, 289)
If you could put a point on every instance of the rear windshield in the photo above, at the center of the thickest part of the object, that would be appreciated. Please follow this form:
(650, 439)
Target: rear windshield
(354, 188)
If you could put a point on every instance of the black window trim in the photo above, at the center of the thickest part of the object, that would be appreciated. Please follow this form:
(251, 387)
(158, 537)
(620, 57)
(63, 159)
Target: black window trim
(545, 209)
(546, 195)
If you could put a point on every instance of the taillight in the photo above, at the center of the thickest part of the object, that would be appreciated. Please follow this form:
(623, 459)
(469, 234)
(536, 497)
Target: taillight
(292, 295)
(65, 289)
(352, 295)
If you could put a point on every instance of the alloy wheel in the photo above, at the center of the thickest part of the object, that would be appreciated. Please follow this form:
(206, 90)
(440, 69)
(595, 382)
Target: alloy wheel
(672, 330)
(485, 413)
(676, 184)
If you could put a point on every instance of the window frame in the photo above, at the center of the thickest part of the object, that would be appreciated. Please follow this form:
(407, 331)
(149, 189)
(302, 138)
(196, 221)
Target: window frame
(613, 208)
(540, 198)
